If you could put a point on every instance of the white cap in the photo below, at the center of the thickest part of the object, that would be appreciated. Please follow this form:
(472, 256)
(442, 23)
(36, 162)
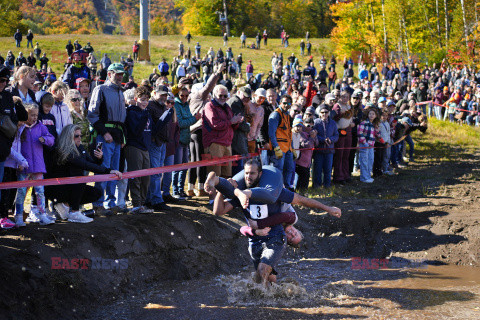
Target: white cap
(260, 92)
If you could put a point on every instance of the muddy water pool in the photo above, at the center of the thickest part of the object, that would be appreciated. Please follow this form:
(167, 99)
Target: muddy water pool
(312, 289)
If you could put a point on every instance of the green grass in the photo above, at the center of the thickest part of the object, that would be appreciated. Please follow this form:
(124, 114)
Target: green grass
(167, 47)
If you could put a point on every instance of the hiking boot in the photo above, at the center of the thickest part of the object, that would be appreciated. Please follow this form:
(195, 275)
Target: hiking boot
(119, 210)
(162, 206)
(202, 193)
(78, 217)
(62, 209)
(169, 199)
(6, 223)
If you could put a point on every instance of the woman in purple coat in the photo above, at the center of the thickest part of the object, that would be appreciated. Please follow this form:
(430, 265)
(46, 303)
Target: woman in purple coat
(34, 136)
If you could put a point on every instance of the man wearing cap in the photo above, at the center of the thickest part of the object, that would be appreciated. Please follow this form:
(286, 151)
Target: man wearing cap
(329, 103)
(161, 114)
(78, 69)
(106, 114)
(280, 135)
(239, 105)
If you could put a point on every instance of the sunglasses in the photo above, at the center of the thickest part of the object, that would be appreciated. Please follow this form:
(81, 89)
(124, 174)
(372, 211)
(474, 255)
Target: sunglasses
(223, 96)
(356, 98)
(324, 112)
(75, 99)
(77, 136)
(287, 103)
(170, 102)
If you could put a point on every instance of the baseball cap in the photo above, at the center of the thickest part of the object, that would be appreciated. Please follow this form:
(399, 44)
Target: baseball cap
(116, 67)
(260, 92)
(382, 99)
(323, 107)
(310, 110)
(80, 80)
(161, 89)
(329, 96)
(390, 103)
(247, 92)
(357, 93)
(297, 122)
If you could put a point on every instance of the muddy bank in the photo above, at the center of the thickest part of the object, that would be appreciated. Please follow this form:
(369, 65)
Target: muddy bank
(124, 253)
(429, 211)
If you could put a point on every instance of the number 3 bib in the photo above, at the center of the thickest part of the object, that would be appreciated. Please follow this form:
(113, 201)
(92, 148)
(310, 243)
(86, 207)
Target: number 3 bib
(258, 211)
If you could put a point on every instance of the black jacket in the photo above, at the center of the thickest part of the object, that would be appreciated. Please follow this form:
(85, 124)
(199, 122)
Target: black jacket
(77, 165)
(16, 113)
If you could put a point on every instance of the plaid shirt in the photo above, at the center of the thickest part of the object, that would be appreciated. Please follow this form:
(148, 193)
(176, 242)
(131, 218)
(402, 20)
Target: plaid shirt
(367, 133)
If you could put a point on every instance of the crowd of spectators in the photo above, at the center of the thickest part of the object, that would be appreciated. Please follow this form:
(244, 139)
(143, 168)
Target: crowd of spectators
(299, 119)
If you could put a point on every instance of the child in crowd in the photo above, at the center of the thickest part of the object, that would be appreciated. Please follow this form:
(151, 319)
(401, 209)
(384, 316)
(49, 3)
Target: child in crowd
(139, 137)
(380, 166)
(34, 136)
(367, 134)
(60, 109)
(307, 139)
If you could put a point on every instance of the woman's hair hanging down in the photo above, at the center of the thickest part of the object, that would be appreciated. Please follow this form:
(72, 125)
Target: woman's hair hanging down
(66, 146)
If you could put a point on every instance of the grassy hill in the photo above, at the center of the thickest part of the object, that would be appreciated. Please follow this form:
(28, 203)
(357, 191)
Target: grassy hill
(164, 46)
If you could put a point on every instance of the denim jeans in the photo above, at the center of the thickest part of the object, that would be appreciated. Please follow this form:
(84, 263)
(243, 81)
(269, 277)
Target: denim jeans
(167, 176)
(411, 144)
(121, 191)
(30, 42)
(322, 169)
(386, 159)
(365, 158)
(157, 158)
(181, 156)
(264, 158)
(2, 167)
(17, 42)
(22, 192)
(286, 165)
(111, 159)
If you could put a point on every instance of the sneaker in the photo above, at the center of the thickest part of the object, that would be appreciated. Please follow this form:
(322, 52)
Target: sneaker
(32, 218)
(62, 209)
(190, 193)
(141, 210)
(389, 173)
(178, 196)
(44, 220)
(78, 217)
(369, 180)
(6, 223)
(19, 221)
(162, 206)
(89, 213)
(169, 199)
(202, 193)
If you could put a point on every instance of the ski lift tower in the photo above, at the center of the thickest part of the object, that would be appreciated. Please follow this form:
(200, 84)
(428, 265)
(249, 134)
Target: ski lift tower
(144, 52)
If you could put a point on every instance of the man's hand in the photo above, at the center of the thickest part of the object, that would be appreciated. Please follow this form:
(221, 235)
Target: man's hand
(108, 137)
(335, 212)
(117, 173)
(221, 67)
(278, 152)
(262, 232)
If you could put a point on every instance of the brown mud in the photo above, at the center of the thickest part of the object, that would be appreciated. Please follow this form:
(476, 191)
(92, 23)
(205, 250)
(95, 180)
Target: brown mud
(428, 211)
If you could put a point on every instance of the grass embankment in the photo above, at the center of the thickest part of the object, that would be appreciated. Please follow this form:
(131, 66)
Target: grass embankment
(166, 47)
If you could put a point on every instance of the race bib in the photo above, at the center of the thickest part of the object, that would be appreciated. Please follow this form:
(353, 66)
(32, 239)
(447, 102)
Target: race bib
(258, 211)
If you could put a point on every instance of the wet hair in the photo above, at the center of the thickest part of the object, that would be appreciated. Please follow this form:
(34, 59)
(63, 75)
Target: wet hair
(254, 162)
